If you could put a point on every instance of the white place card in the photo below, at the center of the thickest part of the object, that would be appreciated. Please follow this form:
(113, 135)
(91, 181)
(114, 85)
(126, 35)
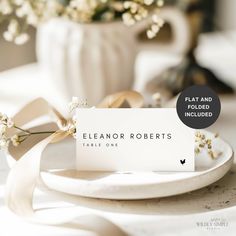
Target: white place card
(146, 139)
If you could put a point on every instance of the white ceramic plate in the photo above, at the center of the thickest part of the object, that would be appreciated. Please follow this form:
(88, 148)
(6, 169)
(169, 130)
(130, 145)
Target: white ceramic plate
(132, 185)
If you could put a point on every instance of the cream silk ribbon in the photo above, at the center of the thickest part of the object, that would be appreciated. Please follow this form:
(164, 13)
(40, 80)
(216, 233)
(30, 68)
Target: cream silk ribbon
(25, 172)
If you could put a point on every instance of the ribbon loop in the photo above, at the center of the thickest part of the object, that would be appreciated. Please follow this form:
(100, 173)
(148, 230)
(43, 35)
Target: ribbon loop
(25, 173)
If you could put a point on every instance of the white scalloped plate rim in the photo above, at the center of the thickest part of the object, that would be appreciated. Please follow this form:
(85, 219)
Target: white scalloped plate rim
(138, 185)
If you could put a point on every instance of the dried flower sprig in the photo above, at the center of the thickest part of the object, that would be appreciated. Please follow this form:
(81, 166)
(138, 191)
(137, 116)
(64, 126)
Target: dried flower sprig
(23, 13)
(157, 98)
(76, 103)
(204, 143)
(23, 134)
(157, 24)
(17, 139)
(5, 123)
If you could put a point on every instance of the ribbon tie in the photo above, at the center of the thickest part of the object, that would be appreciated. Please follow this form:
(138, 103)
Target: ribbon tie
(25, 162)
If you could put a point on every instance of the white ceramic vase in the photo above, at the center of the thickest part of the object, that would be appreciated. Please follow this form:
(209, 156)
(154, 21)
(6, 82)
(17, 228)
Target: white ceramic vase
(92, 60)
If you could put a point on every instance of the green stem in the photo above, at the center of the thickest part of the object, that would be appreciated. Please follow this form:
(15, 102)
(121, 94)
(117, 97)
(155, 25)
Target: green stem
(31, 133)
(25, 131)
(44, 132)
(21, 141)
(25, 136)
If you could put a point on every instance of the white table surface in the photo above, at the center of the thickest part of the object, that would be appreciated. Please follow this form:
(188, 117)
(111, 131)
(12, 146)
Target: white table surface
(187, 214)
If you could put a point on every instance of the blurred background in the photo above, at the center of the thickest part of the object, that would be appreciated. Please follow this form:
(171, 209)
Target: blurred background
(208, 59)
(218, 19)
(220, 16)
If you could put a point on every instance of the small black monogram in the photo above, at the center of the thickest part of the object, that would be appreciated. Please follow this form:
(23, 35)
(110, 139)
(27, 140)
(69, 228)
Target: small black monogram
(182, 161)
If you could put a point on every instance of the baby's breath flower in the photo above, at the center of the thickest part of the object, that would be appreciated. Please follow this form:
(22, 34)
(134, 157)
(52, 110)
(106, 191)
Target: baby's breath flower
(160, 3)
(108, 16)
(158, 20)
(12, 30)
(150, 34)
(5, 7)
(76, 103)
(13, 27)
(30, 12)
(157, 99)
(157, 23)
(32, 19)
(204, 143)
(8, 36)
(23, 10)
(6, 121)
(148, 2)
(128, 20)
(15, 140)
(3, 129)
(155, 28)
(10, 123)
